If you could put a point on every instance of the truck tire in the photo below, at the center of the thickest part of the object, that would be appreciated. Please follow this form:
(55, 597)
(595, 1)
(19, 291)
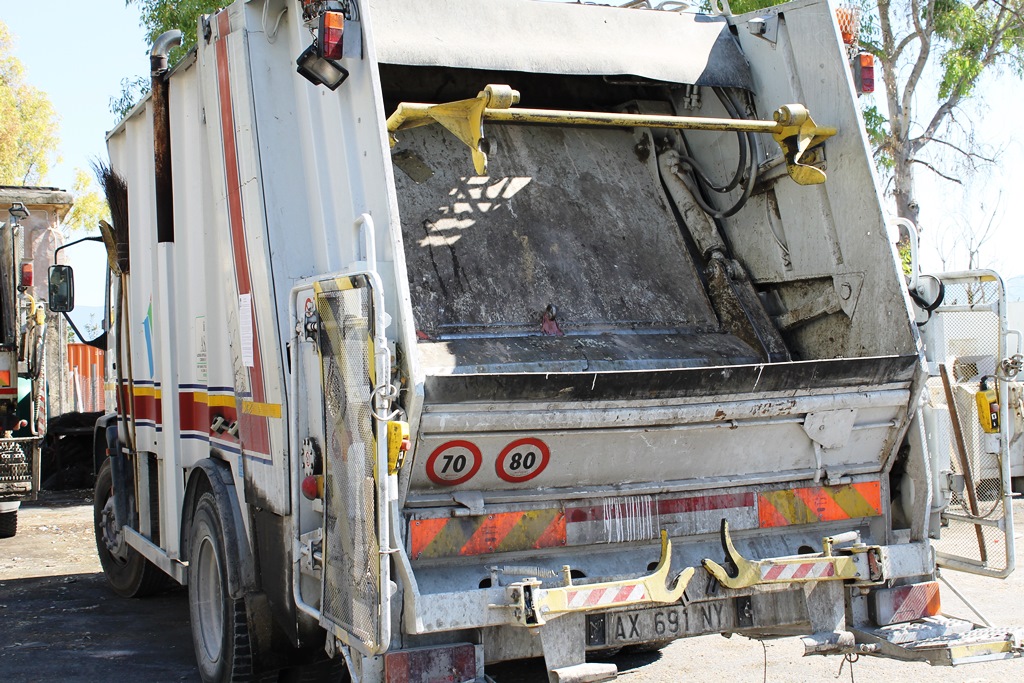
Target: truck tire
(8, 524)
(129, 574)
(220, 625)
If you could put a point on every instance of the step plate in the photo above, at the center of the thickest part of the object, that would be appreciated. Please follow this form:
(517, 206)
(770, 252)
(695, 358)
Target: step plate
(942, 641)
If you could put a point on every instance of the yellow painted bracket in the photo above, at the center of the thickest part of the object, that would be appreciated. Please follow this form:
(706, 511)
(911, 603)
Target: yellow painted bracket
(793, 128)
(398, 444)
(533, 606)
(464, 118)
(808, 568)
(796, 134)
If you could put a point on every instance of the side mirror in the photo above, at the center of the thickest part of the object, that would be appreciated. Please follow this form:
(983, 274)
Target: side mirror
(61, 289)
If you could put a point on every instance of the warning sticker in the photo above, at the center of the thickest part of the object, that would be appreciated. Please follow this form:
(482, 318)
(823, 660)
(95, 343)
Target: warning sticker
(454, 462)
(522, 460)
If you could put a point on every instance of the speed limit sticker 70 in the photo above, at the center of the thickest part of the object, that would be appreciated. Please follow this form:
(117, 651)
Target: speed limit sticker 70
(454, 462)
(522, 460)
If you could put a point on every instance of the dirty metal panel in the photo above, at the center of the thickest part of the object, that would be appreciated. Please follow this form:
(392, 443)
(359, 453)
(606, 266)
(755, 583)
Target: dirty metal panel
(622, 519)
(583, 353)
(673, 383)
(514, 35)
(633, 518)
(446, 664)
(569, 218)
(351, 569)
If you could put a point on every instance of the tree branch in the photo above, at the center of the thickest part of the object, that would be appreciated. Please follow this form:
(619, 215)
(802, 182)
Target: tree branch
(937, 171)
(903, 45)
(926, 31)
(921, 141)
(1011, 10)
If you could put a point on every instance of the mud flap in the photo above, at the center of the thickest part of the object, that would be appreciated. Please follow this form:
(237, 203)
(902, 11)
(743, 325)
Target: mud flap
(941, 641)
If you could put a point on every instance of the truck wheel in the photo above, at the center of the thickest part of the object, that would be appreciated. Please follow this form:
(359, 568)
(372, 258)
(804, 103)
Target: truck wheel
(8, 524)
(220, 627)
(129, 574)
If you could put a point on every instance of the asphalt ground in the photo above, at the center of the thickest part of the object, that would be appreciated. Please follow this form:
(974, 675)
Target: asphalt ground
(60, 622)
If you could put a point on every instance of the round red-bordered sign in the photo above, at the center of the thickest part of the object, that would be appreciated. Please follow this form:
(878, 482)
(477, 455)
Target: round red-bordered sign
(522, 460)
(453, 463)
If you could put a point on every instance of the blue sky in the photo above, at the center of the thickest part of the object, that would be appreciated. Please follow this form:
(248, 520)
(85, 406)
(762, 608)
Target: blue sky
(78, 51)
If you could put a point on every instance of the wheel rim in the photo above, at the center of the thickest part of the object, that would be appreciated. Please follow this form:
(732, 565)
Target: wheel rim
(210, 600)
(110, 534)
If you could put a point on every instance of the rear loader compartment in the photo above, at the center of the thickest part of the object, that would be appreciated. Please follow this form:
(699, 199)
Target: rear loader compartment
(508, 344)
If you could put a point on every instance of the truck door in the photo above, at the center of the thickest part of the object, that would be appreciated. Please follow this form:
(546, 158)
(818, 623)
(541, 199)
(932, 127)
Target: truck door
(966, 422)
(354, 362)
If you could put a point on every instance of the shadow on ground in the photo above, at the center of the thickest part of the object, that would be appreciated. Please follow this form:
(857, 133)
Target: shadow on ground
(73, 628)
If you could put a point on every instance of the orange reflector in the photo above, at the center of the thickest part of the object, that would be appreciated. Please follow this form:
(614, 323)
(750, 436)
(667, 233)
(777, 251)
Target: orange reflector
(26, 275)
(906, 603)
(5, 378)
(332, 30)
(819, 504)
(483, 534)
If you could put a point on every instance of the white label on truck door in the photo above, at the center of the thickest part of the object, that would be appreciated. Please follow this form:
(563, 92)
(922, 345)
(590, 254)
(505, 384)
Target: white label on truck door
(245, 328)
(202, 364)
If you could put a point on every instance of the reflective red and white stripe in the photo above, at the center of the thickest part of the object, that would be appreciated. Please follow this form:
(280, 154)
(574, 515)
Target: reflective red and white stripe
(907, 603)
(797, 570)
(590, 597)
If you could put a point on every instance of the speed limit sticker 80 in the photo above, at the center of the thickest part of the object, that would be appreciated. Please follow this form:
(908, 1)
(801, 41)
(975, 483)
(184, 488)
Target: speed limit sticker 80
(522, 460)
(454, 462)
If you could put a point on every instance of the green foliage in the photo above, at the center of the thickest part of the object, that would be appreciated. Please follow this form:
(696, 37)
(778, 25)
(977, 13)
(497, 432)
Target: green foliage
(744, 6)
(28, 123)
(90, 206)
(877, 126)
(976, 36)
(903, 249)
(132, 92)
(158, 16)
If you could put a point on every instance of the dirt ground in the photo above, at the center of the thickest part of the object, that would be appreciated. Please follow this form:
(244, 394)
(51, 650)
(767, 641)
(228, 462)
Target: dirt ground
(60, 622)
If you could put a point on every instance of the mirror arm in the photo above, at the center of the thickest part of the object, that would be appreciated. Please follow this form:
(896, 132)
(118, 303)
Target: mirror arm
(99, 342)
(91, 238)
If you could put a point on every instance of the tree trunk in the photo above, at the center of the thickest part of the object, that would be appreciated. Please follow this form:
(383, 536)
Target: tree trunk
(903, 187)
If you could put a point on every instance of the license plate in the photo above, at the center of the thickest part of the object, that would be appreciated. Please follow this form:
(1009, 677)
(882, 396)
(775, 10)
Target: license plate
(613, 629)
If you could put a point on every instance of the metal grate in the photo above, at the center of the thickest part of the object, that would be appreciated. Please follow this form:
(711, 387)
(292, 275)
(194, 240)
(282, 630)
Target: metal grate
(15, 467)
(351, 561)
(967, 342)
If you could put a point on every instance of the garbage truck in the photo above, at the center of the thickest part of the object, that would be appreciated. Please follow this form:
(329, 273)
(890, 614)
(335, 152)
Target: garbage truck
(446, 333)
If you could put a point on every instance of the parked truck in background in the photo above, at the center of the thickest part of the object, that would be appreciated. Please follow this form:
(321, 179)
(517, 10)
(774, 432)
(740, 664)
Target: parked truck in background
(511, 329)
(28, 237)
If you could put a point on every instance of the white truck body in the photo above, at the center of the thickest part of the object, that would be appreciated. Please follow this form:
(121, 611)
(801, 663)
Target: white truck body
(599, 392)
